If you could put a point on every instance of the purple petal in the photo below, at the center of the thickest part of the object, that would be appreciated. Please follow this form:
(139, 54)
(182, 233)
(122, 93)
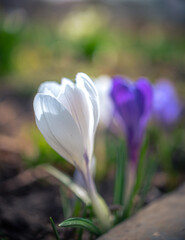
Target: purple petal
(145, 100)
(125, 104)
(166, 105)
(120, 90)
(133, 103)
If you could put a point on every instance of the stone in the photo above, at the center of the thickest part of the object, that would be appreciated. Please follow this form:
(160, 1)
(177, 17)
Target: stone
(164, 219)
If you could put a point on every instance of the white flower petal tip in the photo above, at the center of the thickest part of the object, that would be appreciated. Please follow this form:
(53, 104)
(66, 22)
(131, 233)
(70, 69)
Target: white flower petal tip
(67, 115)
(53, 87)
(83, 80)
(65, 82)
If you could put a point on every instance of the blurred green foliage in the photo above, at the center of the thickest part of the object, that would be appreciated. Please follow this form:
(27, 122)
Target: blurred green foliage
(88, 40)
(40, 152)
(168, 147)
(165, 153)
(8, 42)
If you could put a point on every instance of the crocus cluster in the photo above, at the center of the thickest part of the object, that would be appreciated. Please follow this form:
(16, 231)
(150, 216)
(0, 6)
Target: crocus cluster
(132, 104)
(67, 114)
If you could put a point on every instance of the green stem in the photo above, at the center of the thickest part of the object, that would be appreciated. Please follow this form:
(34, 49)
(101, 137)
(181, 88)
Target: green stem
(100, 208)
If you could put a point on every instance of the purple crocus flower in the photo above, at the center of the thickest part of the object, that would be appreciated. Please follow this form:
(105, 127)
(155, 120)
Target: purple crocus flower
(166, 105)
(133, 103)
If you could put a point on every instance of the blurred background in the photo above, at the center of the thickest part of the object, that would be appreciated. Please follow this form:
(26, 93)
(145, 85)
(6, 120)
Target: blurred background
(45, 40)
(49, 39)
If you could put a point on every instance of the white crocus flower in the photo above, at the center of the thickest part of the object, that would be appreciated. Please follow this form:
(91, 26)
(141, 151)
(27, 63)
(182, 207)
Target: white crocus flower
(103, 85)
(67, 115)
(108, 116)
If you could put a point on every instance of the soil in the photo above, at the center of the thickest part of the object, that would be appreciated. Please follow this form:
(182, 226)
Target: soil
(25, 209)
(27, 198)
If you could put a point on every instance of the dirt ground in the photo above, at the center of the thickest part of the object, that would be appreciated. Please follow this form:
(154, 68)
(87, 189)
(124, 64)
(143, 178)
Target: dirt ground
(26, 201)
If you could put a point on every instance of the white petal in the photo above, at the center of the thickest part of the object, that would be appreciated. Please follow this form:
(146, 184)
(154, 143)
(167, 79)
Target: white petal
(66, 82)
(66, 94)
(86, 120)
(53, 87)
(80, 108)
(84, 83)
(59, 129)
(43, 126)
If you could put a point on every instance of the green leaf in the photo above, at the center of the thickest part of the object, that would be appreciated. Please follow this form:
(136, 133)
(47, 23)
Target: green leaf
(147, 179)
(54, 229)
(138, 181)
(81, 223)
(119, 186)
(79, 191)
(77, 208)
(80, 231)
(66, 204)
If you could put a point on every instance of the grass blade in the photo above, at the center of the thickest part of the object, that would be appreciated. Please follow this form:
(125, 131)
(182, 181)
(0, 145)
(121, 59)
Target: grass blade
(54, 228)
(149, 173)
(120, 175)
(81, 223)
(138, 181)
